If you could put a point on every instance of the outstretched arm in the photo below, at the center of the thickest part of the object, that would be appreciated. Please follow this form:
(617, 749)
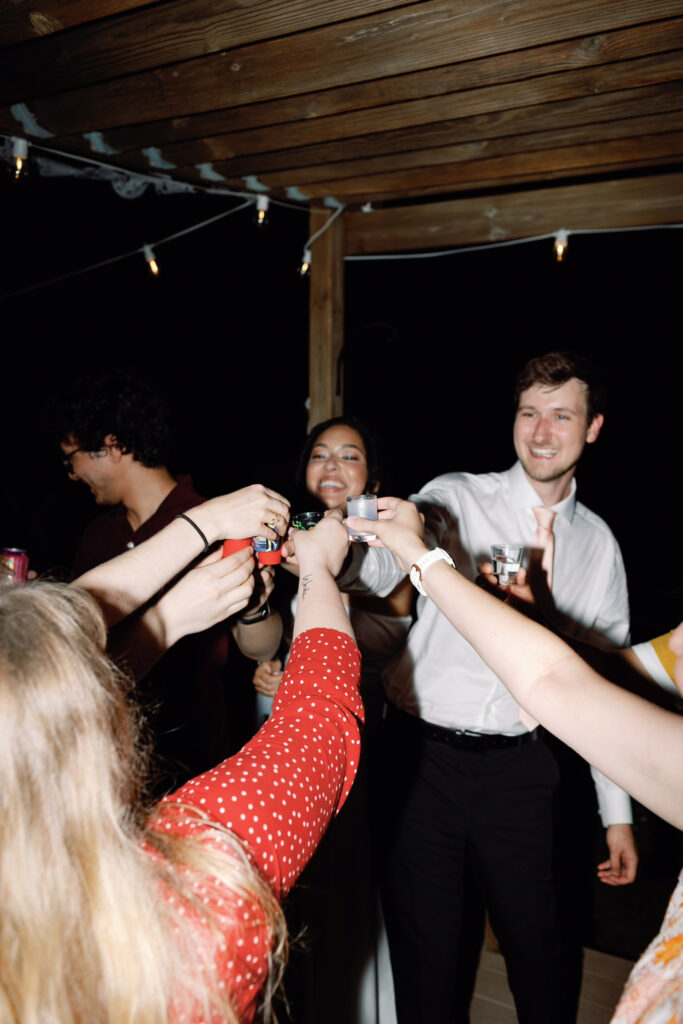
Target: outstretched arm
(320, 553)
(128, 581)
(636, 744)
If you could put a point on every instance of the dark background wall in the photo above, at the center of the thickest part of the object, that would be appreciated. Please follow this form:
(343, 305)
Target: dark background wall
(431, 351)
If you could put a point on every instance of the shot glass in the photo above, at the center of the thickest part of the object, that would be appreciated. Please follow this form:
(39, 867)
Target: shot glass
(507, 559)
(365, 506)
(305, 520)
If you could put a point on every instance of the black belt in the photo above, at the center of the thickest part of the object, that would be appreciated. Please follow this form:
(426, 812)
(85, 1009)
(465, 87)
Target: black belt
(461, 739)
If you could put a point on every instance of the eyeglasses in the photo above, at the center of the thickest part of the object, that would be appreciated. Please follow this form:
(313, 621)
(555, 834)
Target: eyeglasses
(94, 453)
(66, 459)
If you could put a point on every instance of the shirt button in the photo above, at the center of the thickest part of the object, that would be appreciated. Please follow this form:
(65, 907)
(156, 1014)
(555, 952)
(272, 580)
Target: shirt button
(130, 544)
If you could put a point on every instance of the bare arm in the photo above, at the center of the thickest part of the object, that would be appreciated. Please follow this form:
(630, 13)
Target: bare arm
(320, 553)
(125, 583)
(211, 592)
(260, 641)
(636, 744)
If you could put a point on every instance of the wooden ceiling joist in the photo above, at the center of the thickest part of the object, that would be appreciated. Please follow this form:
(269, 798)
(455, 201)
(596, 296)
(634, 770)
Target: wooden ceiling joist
(352, 100)
(389, 92)
(603, 205)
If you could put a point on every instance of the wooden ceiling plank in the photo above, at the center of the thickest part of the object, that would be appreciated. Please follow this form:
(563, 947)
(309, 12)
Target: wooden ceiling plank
(640, 72)
(21, 22)
(130, 44)
(568, 160)
(622, 44)
(631, 202)
(626, 128)
(520, 179)
(428, 34)
(553, 179)
(565, 113)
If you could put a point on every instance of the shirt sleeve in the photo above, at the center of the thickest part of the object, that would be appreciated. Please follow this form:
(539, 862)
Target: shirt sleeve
(658, 660)
(279, 793)
(371, 570)
(611, 631)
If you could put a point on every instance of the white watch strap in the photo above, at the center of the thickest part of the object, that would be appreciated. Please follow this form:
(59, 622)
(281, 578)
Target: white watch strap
(418, 568)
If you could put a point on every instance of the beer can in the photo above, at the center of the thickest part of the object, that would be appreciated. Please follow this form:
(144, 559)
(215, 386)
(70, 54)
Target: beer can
(14, 563)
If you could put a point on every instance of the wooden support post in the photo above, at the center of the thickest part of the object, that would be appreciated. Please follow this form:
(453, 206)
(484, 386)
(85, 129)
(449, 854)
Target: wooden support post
(326, 324)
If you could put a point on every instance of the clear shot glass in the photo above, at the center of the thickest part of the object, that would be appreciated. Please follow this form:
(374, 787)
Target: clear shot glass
(365, 506)
(507, 559)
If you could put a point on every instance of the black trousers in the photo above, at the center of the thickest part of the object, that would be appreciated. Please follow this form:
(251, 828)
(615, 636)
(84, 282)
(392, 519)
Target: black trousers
(453, 819)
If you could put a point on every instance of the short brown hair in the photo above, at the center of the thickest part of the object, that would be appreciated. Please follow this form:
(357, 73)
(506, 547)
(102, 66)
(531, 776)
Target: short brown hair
(555, 368)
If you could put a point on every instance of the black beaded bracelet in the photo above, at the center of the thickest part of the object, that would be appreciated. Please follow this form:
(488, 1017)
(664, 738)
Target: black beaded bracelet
(263, 614)
(181, 515)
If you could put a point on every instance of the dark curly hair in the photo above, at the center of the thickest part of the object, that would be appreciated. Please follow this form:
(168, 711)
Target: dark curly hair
(555, 368)
(369, 441)
(118, 404)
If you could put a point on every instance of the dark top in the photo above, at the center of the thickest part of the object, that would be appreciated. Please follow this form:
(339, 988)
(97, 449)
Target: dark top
(184, 694)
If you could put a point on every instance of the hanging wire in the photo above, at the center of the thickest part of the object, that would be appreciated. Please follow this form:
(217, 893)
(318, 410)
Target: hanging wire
(127, 255)
(435, 254)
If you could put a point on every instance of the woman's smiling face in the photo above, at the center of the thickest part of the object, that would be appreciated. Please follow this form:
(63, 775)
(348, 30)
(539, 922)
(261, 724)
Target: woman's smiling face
(337, 467)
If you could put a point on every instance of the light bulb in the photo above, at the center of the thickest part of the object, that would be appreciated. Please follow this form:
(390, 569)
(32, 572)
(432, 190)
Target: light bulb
(305, 264)
(262, 204)
(19, 155)
(561, 243)
(151, 259)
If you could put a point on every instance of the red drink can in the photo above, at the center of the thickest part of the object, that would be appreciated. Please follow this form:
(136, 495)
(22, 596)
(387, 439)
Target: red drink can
(15, 563)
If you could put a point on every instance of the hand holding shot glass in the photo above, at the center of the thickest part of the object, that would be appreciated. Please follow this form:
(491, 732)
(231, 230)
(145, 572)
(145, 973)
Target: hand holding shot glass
(305, 520)
(507, 559)
(364, 506)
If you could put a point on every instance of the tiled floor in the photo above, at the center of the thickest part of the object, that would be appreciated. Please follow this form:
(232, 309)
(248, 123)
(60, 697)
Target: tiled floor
(603, 980)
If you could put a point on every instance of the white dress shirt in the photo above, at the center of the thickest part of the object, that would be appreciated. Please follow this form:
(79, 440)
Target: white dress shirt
(439, 676)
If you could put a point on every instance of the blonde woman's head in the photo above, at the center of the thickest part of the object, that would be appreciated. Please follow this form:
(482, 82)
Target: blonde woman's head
(86, 932)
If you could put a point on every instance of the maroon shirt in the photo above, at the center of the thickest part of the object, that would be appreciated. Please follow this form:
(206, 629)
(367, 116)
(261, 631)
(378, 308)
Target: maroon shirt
(110, 534)
(185, 693)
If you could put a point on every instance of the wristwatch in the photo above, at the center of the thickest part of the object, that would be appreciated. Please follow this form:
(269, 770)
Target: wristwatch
(262, 614)
(423, 563)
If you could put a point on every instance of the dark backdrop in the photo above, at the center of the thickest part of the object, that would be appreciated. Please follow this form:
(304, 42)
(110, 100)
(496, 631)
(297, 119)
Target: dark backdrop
(431, 350)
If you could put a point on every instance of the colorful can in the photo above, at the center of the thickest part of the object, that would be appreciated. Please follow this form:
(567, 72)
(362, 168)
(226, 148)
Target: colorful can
(14, 563)
(267, 551)
(231, 546)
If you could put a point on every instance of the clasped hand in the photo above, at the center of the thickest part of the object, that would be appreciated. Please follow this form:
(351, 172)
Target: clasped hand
(326, 544)
(254, 511)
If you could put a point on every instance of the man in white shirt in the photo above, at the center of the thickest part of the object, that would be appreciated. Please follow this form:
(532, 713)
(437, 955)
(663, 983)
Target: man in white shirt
(468, 786)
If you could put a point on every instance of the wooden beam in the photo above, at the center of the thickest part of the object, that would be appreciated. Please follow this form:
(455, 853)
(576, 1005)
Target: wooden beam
(19, 22)
(631, 202)
(310, 106)
(326, 327)
(99, 51)
(473, 172)
(427, 34)
(524, 128)
(386, 129)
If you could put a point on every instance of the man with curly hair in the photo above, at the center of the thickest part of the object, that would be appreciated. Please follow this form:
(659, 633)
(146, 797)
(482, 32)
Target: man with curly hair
(113, 433)
(114, 437)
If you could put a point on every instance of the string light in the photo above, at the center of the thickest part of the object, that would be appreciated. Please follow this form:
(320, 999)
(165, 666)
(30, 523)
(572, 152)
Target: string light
(19, 155)
(262, 204)
(561, 242)
(305, 264)
(151, 259)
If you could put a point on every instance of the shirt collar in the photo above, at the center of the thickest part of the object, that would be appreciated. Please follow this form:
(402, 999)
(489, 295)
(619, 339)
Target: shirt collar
(523, 495)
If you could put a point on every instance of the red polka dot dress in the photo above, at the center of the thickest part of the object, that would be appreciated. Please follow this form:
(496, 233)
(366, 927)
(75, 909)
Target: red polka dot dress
(279, 793)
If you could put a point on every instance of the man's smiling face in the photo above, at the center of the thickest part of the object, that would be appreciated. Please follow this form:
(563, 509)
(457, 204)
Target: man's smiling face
(551, 429)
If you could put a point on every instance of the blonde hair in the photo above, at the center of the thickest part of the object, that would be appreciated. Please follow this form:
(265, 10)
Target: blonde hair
(87, 932)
